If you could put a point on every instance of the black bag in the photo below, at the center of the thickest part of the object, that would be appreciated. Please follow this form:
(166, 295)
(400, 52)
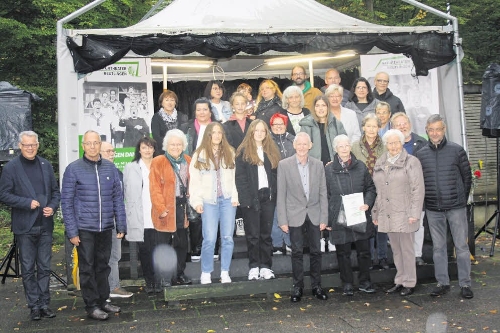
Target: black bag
(192, 214)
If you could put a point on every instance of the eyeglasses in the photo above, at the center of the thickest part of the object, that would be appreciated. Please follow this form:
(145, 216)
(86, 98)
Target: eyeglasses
(32, 145)
(278, 124)
(92, 143)
(382, 81)
(298, 74)
(109, 151)
(435, 130)
(401, 124)
(362, 88)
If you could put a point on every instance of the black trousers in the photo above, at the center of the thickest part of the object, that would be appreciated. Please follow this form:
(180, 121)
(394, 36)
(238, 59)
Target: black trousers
(297, 235)
(258, 227)
(146, 249)
(364, 261)
(93, 257)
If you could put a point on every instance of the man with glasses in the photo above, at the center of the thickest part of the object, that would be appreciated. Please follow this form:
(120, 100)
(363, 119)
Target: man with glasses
(92, 202)
(29, 186)
(332, 76)
(448, 180)
(299, 78)
(384, 94)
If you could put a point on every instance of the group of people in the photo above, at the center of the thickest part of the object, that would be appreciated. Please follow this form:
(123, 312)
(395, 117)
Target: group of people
(291, 165)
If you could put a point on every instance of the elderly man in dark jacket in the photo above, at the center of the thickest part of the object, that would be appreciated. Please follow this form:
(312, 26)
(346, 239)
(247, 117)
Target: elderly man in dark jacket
(384, 94)
(91, 202)
(448, 180)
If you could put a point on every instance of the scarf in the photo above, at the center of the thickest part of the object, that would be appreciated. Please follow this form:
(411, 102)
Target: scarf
(307, 86)
(343, 164)
(176, 163)
(169, 119)
(371, 159)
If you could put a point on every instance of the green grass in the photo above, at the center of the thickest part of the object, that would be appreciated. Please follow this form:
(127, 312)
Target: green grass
(6, 235)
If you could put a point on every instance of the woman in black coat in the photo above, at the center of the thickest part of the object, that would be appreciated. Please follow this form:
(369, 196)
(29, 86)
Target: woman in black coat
(347, 175)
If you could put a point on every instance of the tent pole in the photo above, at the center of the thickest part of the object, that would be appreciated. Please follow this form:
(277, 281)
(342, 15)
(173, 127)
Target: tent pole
(165, 78)
(311, 73)
(457, 42)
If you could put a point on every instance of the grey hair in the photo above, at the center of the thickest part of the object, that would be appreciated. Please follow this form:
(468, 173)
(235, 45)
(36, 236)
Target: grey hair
(382, 104)
(393, 132)
(334, 88)
(371, 116)
(28, 133)
(434, 119)
(300, 134)
(175, 133)
(397, 115)
(292, 90)
(92, 131)
(338, 139)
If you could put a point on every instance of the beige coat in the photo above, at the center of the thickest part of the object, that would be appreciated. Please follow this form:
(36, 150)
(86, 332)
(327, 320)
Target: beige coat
(400, 193)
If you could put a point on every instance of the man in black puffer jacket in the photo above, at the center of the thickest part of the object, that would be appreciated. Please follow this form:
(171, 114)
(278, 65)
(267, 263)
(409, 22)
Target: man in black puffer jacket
(448, 180)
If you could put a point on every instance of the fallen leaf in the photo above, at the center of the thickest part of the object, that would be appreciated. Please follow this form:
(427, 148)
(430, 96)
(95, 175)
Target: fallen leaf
(485, 328)
(302, 309)
(408, 320)
(211, 331)
(366, 304)
(62, 308)
(275, 308)
(276, 295)
(493, 311)
(407, 306)
(331, 290)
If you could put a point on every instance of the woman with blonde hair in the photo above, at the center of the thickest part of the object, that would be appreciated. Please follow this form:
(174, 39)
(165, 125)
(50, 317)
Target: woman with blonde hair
(212, 192)
(256, 173)
(268, 101)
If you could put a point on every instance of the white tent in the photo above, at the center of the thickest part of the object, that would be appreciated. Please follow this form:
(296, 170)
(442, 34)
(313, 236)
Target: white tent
(230, 30)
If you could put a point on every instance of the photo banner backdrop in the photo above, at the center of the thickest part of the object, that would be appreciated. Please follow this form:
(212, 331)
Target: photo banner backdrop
(117, 102)
(419, 94)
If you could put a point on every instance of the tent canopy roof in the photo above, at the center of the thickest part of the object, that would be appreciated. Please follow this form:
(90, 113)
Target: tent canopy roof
(222, 29)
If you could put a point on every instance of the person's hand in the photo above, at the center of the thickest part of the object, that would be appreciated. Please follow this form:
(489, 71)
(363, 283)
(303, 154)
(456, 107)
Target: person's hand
(284, 228)
(120, 235)
(375, 222)
(47, 211)
(364, 208)
(323, 226)
(34, 204)
(412, 220)
(199, 209)
(75, 240)
(164, 214)
(235, 203)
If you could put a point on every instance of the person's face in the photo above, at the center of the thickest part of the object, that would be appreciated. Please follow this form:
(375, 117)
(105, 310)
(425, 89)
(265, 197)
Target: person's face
(239, 105)
(107, 151)
(393, 145)
(344, 150)
(294, 100)
(332, 77)
(321, 109)
(175, 147)
(381, 82)
(216, 135)
(216, 92)
(92, 145)
(382, 113)
(371, 128)
(335, 98)
(361, 90)
(298, 76)
(97, 105)
(259, 134)
(402, 124)
(496, 89)
(112, 96)
(247, 93)
(105, 98)
(302, 144)
(144, 97)
(130, 91)
(267, 91)
(168, 104)
(202, 113)
(146, 151)
(278, 126)
(29, 147)
(436, 131)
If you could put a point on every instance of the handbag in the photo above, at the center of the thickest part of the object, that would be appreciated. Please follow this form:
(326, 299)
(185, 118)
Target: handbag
(191, 213)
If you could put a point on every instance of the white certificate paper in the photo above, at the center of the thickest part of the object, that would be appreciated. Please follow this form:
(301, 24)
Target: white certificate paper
(352, 203)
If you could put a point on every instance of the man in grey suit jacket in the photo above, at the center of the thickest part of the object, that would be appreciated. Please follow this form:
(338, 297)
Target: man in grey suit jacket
(29, 186)
(302, 205)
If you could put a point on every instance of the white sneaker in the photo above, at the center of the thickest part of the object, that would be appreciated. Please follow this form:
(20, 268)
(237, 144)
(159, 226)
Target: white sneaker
(224, 277)
(216, 257)
(266, 274)
(288, 249)
(331, 247)
(240, 228)
(205, 278)
(322, 244)
(253, 274)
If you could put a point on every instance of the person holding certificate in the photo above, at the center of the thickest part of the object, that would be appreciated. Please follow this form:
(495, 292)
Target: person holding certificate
(349, 185)
(400, 187)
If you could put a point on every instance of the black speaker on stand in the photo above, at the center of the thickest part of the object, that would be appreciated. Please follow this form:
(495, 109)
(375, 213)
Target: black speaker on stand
(490, 124)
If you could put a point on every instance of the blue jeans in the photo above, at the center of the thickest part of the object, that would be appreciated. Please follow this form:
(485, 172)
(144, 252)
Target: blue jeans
(35, 248)
(279, 237)
(457, 219)
(116, 255)
(222, 213)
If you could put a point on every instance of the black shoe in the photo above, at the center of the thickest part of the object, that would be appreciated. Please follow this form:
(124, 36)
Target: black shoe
(47, 313)
(374, 264)
(183, 280)
(35, 314)
(319, 293)
(296, 294)
(367, 288)
(98, 314)
(396, 288)
(348, 290)
(440, 290)
(110, 308)
(384, 263)
(407, 291)
(466, 292)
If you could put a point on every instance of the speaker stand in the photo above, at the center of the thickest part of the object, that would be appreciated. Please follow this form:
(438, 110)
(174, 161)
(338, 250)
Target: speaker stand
(496, 214)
